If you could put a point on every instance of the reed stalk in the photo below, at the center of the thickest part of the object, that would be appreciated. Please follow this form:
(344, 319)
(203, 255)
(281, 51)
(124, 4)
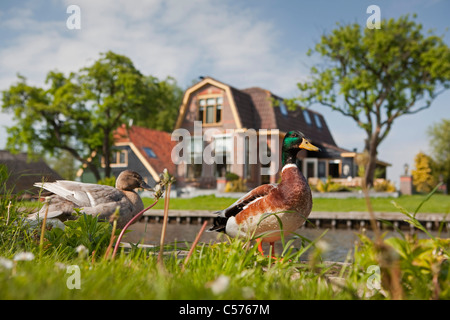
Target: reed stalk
(113, 219)
(164, 227)
(135, 218)
(44, 223)
(197, 238)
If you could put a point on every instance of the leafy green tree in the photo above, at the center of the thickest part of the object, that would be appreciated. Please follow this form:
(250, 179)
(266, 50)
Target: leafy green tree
(423, 179)
(114, 90)
(163, 103)
(79, 113)
(50, 120)
(439, 134)
(375, 76)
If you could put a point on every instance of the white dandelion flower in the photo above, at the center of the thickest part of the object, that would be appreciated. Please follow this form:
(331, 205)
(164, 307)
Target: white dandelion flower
(24, 256)
(6, 263)
(82, 250)
(219, 285)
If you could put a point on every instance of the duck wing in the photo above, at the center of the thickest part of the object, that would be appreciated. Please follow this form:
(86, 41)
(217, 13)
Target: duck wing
(71, 194)
(220, 221)
(82, 194)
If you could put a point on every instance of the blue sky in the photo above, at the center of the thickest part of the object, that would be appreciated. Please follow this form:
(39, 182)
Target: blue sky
(242, 43)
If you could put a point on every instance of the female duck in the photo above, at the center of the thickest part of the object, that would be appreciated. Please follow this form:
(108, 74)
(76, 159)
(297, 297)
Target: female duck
(94, 199)
(253, 215)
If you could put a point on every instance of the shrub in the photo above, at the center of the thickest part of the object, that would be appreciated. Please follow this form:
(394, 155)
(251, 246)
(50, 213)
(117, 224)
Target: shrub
(108, 181)
(423, 179)
(383, 185)
(230, 176)
(329, 186)
(238, 185)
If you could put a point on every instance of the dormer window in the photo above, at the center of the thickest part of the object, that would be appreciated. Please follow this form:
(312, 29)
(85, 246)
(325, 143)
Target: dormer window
(210, 109)
(283, 108)
(318, 122)
(150, 152)
(307, 117)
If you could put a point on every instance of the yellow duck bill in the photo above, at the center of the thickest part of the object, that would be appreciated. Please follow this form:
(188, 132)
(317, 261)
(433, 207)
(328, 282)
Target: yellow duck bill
(308, 146)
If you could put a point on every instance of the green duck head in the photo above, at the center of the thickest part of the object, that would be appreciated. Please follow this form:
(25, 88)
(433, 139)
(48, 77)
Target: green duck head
(292, 143)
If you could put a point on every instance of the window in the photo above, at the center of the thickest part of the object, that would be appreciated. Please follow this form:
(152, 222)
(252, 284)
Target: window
(150, 152)
(283, 109)
(119, 158)
(210, 109)
(222, 150)
(265, 179)
(201, 109)
(333, 168)
(195, 149)
(307, 117)
(318, 122)
(322, 169)
(310, 168)
(247, 172)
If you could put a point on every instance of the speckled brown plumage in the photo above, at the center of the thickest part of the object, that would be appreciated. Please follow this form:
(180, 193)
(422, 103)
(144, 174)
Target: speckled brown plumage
(253, 215)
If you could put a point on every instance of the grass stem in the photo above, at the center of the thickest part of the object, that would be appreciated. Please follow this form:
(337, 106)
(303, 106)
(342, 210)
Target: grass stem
(9, 208)
(137, 216)
(44, 223)
(164, 227)
(114, 218)
(197, 238)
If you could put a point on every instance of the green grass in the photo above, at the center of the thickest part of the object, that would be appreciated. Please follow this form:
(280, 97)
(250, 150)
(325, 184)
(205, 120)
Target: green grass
(227, 270)
(137, 276)
(211, 203)
(409, 268)
(437, 204)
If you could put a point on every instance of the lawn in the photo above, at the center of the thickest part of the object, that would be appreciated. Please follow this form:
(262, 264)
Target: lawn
(437, 204)
(59, 269)
(76, 263)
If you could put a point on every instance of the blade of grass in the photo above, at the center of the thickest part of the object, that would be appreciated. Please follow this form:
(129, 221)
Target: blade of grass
(114, 218)
(137, 216)
(197, 238)
(426, 199)
(9, 208)
(44, 222)
(164, 227)
(299, 253)
(412, 220)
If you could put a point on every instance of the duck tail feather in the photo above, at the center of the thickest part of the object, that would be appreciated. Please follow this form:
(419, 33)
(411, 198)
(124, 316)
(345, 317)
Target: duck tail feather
(219, 223)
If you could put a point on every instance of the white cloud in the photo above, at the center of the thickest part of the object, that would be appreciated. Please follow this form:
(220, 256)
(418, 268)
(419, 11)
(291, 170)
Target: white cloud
(184, 39)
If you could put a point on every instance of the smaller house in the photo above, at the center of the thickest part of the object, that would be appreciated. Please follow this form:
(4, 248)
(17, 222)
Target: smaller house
(23, 172)
(146, 151)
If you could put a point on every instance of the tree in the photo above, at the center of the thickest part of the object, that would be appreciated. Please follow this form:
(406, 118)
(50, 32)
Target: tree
(115, 91)
(376, 76)
(423, 179)
(52, 120)
(80, 112)
(162, 106)
(439, 134)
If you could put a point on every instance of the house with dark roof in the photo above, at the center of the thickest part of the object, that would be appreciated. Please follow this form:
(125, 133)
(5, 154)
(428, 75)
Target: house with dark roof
(222, 107)
(23, 172)
(146, 151)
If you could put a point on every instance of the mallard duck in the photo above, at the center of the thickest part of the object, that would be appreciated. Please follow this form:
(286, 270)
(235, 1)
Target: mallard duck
(253, 215)
(94, 199)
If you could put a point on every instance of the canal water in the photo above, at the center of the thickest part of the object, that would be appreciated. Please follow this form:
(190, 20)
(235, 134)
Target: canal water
(340, 242)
